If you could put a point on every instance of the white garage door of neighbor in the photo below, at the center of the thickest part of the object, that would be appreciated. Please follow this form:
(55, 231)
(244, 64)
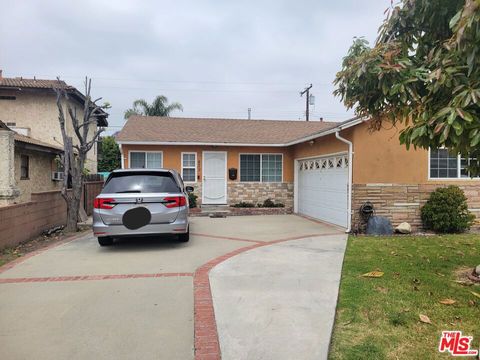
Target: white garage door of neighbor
(322, 188)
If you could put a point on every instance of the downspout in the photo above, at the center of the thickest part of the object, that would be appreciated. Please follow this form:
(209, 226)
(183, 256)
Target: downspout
(122, 158)
(350, 179)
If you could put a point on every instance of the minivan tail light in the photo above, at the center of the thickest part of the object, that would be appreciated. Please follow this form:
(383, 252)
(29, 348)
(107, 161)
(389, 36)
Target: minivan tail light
(103, 203)
(175, 201)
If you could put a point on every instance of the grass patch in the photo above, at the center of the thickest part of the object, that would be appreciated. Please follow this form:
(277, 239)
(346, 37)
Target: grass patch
(378, 318)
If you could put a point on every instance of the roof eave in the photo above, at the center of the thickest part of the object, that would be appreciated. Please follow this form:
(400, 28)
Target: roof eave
(39, 148)
(135, 142)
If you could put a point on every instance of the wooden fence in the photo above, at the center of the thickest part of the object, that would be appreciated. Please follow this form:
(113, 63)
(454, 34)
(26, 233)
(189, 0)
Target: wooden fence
(90, 191)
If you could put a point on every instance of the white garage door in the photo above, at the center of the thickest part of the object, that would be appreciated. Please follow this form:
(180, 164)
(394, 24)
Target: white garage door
(322, 188)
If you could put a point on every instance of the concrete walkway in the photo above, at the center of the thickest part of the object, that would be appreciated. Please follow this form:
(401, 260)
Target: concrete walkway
(278, 301)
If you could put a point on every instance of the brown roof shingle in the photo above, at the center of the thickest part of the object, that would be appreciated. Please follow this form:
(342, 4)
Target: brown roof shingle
(19, 82)
(207, 130)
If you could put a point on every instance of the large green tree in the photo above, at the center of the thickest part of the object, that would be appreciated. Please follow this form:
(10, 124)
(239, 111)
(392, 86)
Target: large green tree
(109, 154)
(424, 72)
(159, 107)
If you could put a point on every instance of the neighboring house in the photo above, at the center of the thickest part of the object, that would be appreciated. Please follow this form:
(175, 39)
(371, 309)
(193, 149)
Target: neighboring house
(28, 106)
(322, 170)
(26, 166)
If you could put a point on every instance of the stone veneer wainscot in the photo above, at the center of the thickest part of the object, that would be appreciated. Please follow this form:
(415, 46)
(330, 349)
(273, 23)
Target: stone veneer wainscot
(402, 202)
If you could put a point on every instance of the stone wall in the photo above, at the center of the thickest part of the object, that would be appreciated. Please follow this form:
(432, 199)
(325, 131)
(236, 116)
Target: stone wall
(255, 193)
(402, 203)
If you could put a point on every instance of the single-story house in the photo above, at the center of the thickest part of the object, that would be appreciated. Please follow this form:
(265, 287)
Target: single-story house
(324, 170)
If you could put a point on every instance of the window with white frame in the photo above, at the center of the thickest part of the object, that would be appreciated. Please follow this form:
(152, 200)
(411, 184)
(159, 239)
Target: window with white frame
(447, 165)
(261, 167)
(189, 167)
(146, 160)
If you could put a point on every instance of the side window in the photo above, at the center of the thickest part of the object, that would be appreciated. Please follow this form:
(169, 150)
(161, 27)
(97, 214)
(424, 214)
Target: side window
(24, 167)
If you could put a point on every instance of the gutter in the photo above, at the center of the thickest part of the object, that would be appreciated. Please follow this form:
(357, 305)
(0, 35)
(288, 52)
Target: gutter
(350, 179)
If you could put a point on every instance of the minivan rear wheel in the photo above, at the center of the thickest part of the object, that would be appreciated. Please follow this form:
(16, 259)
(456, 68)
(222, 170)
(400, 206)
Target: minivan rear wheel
(184, 237)
(105, 240)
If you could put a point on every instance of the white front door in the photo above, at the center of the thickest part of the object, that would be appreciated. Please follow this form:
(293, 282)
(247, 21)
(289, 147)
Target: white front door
(323, 188)
(214, 177)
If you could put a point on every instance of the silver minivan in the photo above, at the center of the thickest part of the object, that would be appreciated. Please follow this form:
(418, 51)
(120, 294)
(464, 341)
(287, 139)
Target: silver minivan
(141, 202)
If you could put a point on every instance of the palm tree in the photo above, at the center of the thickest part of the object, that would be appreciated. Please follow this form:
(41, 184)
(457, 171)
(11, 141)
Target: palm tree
(159, 107)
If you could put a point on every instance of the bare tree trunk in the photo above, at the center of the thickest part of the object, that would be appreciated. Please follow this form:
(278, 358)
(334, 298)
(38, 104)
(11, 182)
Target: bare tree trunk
(74, 162)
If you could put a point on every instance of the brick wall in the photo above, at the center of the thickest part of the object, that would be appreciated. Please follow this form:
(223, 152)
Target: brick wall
(258, 192)
(21, 222)
(402, 203)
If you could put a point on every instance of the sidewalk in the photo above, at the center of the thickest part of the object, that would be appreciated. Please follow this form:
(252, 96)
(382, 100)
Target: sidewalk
(278, 301)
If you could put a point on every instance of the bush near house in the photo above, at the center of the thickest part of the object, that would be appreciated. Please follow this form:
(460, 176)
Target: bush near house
(243, 204)
(192, 200)
(268, 203)
(446, 211)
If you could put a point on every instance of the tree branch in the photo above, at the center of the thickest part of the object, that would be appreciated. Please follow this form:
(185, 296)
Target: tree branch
(95, 137)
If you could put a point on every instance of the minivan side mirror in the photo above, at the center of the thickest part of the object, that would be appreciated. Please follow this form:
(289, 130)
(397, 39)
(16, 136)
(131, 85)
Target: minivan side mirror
(189, 189)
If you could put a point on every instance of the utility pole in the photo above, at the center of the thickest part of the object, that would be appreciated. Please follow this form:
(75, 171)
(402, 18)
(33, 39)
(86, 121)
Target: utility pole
(249, 113)
(307, 98)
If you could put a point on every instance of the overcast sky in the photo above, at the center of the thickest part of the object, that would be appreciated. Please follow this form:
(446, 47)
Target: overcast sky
(217, 58)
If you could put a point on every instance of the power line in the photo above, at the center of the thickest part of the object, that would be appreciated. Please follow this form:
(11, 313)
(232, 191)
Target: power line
(177, 81)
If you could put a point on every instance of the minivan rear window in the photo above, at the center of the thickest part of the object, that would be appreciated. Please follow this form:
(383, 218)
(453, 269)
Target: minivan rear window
(140, 182)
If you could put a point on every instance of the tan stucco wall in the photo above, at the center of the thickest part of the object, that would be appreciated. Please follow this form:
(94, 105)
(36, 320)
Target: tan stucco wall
(172, 156)
(40, 173)
(378, 156)
(320, 146)
(37, 110)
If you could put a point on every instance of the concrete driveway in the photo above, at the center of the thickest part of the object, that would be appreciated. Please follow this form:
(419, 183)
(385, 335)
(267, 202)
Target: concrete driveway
(152, 298)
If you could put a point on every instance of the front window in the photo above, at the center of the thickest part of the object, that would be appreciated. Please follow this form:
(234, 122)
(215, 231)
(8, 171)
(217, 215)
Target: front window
(447, 165)
(189, 167)
(261, 167)
(146, 160)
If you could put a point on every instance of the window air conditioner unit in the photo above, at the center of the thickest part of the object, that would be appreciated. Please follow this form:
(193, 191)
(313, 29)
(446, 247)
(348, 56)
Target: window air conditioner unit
(57, 176)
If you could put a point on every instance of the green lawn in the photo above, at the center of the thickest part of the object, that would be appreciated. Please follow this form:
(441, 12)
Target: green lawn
(378, 318)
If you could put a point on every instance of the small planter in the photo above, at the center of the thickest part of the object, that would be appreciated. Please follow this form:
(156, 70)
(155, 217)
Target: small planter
(234, 211)
(260, 211)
